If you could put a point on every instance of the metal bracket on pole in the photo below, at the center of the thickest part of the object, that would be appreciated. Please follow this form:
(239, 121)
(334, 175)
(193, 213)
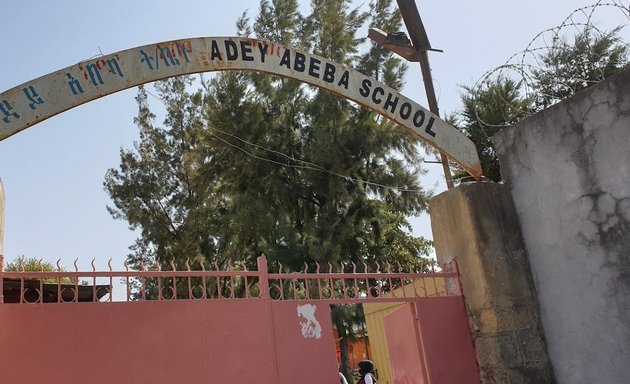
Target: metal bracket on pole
(414, 51)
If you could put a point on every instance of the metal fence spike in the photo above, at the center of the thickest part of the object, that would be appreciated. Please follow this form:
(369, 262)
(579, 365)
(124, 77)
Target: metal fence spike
(234, 281)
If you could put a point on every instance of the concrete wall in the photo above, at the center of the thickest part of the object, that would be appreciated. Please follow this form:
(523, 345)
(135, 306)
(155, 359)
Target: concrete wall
(568, 169)
(477, 226)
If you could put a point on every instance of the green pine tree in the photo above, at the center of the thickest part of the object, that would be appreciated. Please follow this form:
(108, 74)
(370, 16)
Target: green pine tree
(564, 70)
(255, 163)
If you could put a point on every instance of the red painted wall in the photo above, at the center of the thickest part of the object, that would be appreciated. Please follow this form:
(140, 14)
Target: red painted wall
(164, 342)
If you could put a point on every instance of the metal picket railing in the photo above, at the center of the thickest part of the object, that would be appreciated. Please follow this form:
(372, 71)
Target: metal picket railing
(345, 283)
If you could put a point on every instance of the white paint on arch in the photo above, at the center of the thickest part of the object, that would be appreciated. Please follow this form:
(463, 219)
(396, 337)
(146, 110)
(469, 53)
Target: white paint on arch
(310, 327)
(32, 102)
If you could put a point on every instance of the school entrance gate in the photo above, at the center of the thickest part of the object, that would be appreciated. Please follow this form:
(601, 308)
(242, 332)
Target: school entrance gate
(249, 326)
(202, 325)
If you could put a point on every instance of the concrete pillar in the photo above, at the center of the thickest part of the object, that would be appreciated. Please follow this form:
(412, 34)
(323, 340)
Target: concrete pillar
(476, 225)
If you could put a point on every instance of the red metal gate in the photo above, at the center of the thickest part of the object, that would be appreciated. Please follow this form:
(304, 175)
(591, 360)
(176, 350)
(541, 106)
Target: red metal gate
(407, 361)
(213, 326)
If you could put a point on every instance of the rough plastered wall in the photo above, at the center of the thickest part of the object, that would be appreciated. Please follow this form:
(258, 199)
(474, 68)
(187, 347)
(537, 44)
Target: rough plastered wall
(568, 169)
(477, 226)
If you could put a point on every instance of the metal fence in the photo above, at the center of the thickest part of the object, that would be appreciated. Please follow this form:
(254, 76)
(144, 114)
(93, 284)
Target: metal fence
(199, 282)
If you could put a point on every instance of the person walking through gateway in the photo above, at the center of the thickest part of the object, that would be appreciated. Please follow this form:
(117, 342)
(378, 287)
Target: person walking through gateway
(366, 370)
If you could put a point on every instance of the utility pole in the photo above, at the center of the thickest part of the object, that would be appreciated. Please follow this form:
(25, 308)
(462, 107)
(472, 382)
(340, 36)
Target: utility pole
(414, 51)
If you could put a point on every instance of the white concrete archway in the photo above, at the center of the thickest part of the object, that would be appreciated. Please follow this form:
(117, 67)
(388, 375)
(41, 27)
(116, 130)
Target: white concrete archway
(34, 101)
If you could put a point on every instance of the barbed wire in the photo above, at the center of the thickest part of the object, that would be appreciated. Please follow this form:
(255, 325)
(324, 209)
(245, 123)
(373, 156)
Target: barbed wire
(523, 66)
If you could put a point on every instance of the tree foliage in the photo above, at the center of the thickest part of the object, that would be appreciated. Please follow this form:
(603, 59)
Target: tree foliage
(486, 111)
(250, 163)
(30, 264)
(569, 68)
(564, 70)
(245, 163)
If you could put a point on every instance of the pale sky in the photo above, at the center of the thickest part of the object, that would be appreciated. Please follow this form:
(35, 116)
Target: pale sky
(53, 172)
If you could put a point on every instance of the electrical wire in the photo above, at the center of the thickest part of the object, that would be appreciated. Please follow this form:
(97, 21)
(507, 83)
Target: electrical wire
(308, 165)
(313, 167)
